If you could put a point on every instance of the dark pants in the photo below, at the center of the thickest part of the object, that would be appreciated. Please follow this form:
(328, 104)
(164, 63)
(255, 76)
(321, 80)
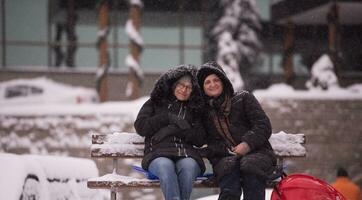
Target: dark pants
(69, 30)
(233, 184)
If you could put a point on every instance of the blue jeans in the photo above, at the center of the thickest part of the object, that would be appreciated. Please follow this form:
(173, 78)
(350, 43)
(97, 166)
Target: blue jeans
(176, 177)
(233, 184)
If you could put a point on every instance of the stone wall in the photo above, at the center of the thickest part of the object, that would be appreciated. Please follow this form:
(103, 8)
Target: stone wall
(333, 129)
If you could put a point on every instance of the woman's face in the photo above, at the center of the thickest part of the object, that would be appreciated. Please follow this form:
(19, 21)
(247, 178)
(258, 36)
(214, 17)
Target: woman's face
(183, 90)
(213, 86)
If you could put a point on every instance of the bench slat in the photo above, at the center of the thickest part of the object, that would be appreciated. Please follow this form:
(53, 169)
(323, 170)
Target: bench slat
(117, 150)
(98, 153)
(117, 138)
(118, 185)
(138, 184)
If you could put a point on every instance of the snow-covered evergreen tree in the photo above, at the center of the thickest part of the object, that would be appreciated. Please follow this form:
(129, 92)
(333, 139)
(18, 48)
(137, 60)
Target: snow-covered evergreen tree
(234, 34)
(323, 75)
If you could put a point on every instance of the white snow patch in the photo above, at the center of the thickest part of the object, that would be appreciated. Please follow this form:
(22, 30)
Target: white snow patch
(133, 33)
(124, 108)
(58, 177)
(120, 178)
(136, 3)
(323, 75)
(284, 91)
(288, 144)
(43, 90)
(133, 64)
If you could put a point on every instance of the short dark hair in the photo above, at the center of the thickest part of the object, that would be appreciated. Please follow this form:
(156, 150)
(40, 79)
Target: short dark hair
(342, 172)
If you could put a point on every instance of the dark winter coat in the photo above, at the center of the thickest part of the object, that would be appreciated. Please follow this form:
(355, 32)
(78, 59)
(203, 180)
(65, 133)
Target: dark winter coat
(155, 119)
(247, 123)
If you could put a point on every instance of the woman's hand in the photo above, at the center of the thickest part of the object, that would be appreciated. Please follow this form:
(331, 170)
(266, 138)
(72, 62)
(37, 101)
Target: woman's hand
(170, 130)
(241, 149)
(181, 123)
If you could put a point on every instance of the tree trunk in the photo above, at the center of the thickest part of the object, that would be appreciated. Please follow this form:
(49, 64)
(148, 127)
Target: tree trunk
(135, 51)
(71, 36)
(334, 36)
(103, 22)
(287, 61)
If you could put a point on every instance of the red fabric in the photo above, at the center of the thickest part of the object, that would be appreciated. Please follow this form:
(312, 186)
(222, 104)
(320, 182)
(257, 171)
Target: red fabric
(304, 187)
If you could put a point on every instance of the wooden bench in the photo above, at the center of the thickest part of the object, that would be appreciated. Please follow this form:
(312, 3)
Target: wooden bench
(130, 145)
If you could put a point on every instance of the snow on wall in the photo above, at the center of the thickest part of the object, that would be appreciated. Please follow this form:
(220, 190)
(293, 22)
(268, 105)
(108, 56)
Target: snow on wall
(45, 128)
(123, 108)
(55, 132)
(284, 91)
(288, 144)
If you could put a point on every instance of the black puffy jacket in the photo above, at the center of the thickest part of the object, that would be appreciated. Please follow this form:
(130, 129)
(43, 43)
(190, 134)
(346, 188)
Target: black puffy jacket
(154, 118)
(248, 123)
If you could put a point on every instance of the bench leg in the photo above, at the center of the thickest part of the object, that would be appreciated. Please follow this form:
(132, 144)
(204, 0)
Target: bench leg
(113, 195)
(115, 166)
(280, 162)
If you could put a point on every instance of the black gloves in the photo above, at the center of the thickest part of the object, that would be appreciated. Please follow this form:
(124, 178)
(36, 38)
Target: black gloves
(177, 127)
(181, 123)
(169, 130)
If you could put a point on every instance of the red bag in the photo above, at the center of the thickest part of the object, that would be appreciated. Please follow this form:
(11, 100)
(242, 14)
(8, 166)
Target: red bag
(304, 187)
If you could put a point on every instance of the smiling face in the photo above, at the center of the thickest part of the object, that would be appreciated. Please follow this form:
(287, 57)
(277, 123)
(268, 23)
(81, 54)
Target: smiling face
(183, 90)
(213, 86)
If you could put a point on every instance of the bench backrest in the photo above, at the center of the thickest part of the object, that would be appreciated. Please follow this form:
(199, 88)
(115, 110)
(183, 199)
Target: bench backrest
(131, 145)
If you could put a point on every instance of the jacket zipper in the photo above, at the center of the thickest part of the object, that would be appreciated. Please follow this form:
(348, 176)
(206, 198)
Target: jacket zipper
(181, 114)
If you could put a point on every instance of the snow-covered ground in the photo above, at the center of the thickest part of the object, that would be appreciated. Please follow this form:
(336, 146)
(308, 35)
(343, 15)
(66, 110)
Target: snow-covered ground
(46, 177)
(51, 116)
(268, 193)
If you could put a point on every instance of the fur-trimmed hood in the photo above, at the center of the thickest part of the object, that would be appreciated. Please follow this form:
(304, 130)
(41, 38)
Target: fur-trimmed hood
(162, 91)
(213, 68)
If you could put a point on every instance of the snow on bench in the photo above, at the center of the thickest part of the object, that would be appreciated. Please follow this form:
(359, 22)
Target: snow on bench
(131, 145)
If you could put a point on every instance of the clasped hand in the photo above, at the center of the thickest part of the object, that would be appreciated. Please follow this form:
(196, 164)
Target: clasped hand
(181, 123)
(241, 149)
(176, 127)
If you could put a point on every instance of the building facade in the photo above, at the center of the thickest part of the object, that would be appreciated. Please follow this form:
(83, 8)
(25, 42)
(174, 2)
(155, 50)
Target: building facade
(35, 37)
